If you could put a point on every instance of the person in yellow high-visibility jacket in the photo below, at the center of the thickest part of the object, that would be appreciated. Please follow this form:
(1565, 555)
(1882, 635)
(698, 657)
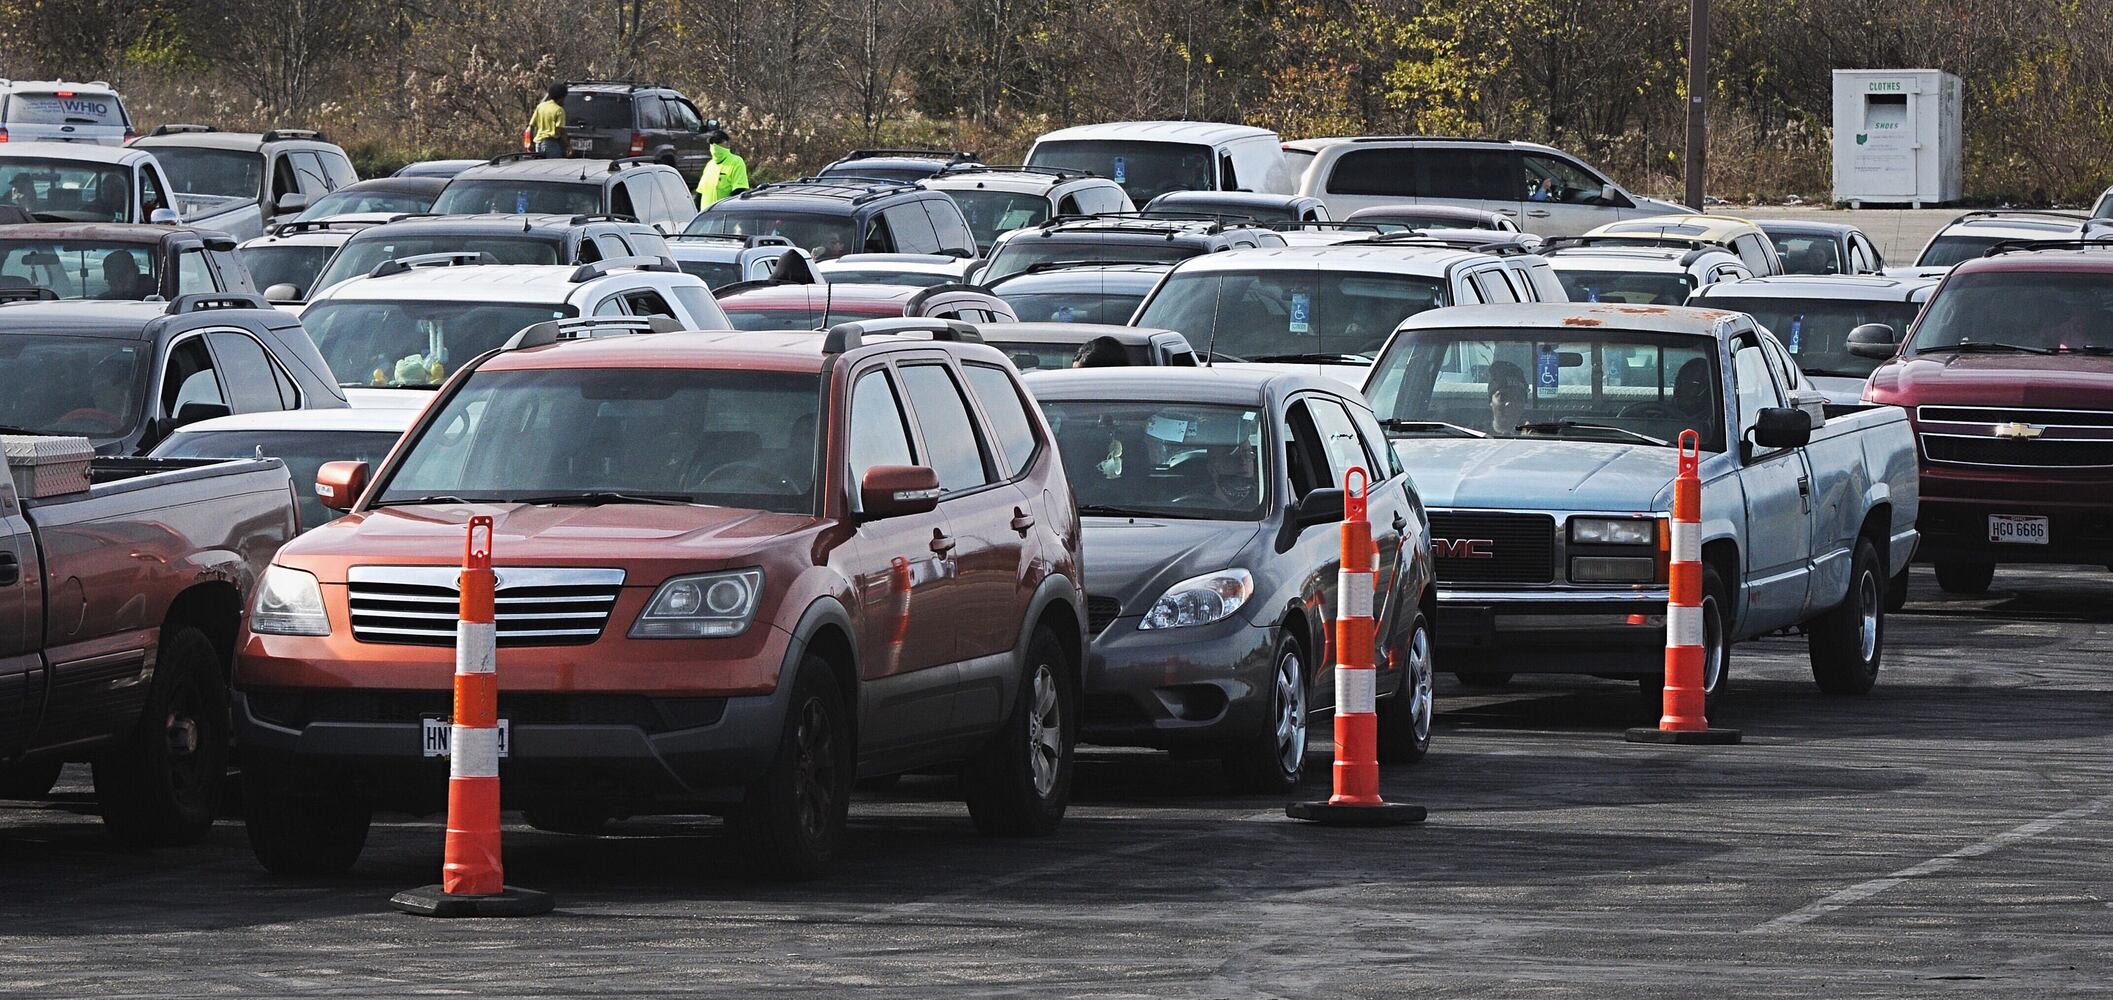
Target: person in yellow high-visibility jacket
(725, 176)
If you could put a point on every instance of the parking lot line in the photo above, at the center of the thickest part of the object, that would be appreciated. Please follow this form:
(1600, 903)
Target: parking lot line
(1865, 890)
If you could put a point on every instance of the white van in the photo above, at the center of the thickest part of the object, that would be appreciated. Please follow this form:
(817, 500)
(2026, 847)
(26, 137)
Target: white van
(1151, 158)
(1546, 191)
(61, 111)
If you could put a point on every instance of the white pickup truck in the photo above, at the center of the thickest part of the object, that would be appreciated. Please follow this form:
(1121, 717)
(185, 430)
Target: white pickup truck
(243, 183)
(1541, 438)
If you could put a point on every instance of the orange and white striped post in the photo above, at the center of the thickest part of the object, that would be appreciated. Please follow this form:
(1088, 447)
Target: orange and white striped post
(472, 881)
(1686, 693)
(1356, 801)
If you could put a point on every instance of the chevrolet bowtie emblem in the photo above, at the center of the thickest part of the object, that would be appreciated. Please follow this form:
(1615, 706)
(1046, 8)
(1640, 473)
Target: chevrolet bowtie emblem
(2015, 429)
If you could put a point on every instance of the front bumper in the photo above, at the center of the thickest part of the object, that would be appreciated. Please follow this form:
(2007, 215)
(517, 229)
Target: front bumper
(1617, 633)
(1201, 685)
(1955, 528)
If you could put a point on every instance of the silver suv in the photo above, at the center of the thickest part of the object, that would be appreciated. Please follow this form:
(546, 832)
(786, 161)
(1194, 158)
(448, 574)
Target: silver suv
(63, 111)
(1547, 191)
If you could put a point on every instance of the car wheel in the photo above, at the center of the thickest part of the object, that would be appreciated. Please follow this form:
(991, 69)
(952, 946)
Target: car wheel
(1846, 643)
(791, 823)
(30, 781)
(1897, 591)
(1494, 680)
(583, 821)
(316, 833)
(158, 786)
(1716, 651)
(1965, 577)
(1020, 785)
(1405, 718)
(1274, 759)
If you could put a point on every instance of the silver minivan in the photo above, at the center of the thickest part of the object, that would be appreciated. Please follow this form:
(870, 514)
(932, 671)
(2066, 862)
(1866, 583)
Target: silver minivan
(61, 111)
(1546, 191)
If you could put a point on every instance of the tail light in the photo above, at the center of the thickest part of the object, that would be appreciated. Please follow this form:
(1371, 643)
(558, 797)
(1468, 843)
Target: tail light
(527, 140)
(130, 135)
(3, 133)
(638, 144)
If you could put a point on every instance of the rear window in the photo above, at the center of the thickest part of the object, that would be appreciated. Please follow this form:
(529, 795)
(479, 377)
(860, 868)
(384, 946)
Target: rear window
(1632, 287)
(1145, 170)
(510, 197)
(416, 343)
(1023, 252)
(596, 109)
(1945, 251)
(287, 264)
(69, 108)
(716, 273)
(803, 315)
(823, 234)
(360, 255)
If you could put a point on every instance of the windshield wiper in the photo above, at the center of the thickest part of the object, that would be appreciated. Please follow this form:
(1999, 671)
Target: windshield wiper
(1441, 426)
(414, 501)
(1832, 373)
(1571, 423)
(370, 385)
(1316, 359)
(597, 497)
(1109, 510)
(1984, 347)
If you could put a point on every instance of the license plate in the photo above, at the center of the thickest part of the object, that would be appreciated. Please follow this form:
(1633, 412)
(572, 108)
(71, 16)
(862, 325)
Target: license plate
(582, 145)
(435, 742)
(2014, 529)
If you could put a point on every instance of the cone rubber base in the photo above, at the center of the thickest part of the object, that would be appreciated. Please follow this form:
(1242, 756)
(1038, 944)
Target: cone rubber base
(1711, 737)
(1384, 814)
(431, 901)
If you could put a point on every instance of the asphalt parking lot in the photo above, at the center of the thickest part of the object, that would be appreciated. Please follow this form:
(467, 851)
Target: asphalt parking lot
(1944, 835)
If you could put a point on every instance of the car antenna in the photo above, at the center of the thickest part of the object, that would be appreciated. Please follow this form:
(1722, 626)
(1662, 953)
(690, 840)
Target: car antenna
(1210, 350)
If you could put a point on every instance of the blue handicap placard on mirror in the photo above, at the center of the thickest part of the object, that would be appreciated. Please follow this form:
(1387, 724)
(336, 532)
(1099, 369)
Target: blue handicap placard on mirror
(1548, 368)
(1122, 170)
(1797, 331)
(1301, 309)
(521, 202)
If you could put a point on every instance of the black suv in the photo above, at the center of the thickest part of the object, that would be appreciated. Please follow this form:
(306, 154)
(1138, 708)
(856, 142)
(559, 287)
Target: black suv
(608, 119)
(832, 216)
(1118, 238)
(896, 164)
(503, 239)
(518, 183)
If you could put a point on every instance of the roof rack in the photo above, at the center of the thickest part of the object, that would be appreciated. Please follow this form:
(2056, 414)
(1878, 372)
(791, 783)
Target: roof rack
(402, 216)
(1654, 240)
(1294, 225)
(322, 225)
(2037, 212)
(851, 336)
(519, 154)
(972, 167)
(949, 155)
(2033, 246)
(285, 134)
(1042, 266)
(202, 301)
(633, 84)
(585, 218)
(857, 190)
(1472, 244)
(621, 162)
(175, 128)
(709, 238)
(555, 331)
(450, 258)
(1136, 222)
(600, 268)
(27, 293)
(1427, 138)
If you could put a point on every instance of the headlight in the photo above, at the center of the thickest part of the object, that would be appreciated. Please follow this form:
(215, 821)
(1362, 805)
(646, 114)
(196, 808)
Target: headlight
(704, 606)
(1614, 530)
(1200, 600)
(289, 602)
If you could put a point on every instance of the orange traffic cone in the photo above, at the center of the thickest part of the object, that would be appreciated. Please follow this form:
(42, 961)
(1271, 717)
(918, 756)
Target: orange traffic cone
(1683, 720)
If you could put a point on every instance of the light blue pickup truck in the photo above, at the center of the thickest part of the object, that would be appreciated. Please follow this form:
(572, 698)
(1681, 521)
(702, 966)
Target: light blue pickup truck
(1542, 441)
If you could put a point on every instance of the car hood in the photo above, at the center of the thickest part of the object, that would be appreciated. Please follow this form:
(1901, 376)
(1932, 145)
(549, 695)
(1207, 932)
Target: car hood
(1134, 560)
(2062, 381)
(1537, 473)
(649, 541)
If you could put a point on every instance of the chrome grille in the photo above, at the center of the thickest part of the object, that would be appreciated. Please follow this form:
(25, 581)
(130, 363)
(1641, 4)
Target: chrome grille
(2010, 437)
(419, 605)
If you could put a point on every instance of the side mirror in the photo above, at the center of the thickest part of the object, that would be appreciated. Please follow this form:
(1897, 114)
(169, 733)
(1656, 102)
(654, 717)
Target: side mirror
(164, 217)
(1873, 340)
(291, 201)
(1782, 427)
(191, 413)
(339, 484)
(1322, 506)
(897, 490)
(283, 292)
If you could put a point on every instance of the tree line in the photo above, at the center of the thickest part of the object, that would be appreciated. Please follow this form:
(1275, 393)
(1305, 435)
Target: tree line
(798, 81)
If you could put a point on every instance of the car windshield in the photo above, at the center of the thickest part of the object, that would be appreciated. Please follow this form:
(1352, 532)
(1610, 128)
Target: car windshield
(1022, 252)
(286, 264)
(1817, 330)
(597, 109)
(1634, 387)
(914, 279)
(1162, 459)
(1145, 170)
(1809, 253)
(56, 190)
(1226, 207)
(1945, 251)
(992, 212)
(714, 273)
(361, 255)
(1394, 222)
(1288, 315)
(81, 269)
(414, 343)
(1074, 307)
(823, 234)
(304, 452)
(1048, 357)
(511, 197)
(1642, 288)
(72, 108)
(86, 386)
(349, 202)
(726, 438)
(777, 313)
(2032, 310)
(216, 173)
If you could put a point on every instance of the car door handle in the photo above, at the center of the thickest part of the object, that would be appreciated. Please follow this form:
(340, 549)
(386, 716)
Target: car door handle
(942, 543)
(1538, 213)
(1021, 521)
(1507, 211)
(10, 570)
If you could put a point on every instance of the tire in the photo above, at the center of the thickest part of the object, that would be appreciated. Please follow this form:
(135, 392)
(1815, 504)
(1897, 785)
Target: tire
(1897, 591)
(1716, 651)
(1274, 758)
(790, 824)
(1847, 642)
(1405, 718)
(1020, 785)
(581, 821)
(158, 786)
(1965, 577)
(30, 781)
(1495, 680)
(315, 834)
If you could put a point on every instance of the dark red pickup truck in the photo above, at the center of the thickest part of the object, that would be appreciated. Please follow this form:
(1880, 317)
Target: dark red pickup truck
(2007, 378)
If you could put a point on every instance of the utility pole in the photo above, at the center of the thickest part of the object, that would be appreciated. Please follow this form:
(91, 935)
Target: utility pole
(1697, 89)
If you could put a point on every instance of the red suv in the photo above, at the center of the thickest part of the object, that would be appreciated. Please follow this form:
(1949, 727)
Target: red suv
(2007, 378)
(736, 572)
